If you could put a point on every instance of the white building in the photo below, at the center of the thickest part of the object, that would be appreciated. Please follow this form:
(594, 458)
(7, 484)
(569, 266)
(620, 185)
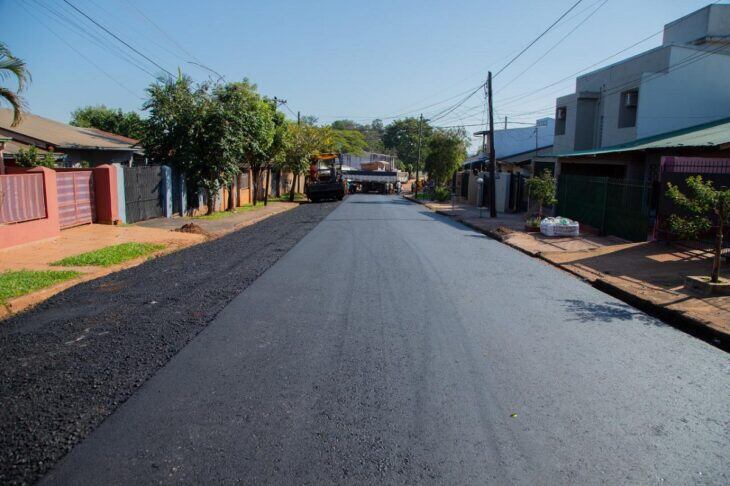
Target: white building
(682, 83)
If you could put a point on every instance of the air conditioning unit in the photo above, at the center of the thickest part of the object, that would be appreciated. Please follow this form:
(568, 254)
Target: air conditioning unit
(632, 98)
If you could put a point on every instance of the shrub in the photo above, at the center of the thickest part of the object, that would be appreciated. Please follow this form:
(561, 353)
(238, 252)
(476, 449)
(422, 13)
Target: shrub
(441, 194)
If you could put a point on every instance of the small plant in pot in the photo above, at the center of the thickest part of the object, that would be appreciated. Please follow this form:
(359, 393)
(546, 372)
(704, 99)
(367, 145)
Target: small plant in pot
(542, 189)
(532, 224)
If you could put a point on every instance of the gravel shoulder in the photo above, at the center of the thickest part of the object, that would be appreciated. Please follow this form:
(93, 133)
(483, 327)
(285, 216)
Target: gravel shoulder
(71, 361)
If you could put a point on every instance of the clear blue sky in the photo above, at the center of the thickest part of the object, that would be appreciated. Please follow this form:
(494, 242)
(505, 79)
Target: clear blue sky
(331, 59)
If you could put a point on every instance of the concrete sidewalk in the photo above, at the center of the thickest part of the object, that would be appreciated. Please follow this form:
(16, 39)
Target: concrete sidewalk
(647, 275)
(225, 224)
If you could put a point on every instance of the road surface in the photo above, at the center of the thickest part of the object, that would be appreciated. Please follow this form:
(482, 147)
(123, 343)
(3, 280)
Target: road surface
(392, 345)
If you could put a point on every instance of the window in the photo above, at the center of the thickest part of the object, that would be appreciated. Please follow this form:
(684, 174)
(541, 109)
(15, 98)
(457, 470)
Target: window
(560, 115)
(627, 110)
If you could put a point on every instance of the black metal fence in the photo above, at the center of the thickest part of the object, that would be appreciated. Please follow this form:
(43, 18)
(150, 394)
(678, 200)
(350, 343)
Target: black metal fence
(144, 188)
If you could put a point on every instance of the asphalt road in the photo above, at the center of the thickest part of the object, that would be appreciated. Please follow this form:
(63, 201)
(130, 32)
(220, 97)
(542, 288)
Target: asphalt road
(391, 345)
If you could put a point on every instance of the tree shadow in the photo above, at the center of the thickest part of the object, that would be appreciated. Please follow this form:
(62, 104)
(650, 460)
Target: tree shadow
(607, 312)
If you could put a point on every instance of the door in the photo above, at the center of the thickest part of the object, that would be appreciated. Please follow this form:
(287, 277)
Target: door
(75, 198)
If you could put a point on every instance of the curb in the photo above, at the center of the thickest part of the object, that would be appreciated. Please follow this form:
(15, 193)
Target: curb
(676, 319)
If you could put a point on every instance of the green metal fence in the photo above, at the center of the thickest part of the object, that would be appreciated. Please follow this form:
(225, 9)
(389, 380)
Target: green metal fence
(613, 206)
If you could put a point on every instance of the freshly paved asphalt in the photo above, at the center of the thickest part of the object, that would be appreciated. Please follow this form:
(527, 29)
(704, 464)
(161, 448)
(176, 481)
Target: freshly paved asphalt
(391, 345)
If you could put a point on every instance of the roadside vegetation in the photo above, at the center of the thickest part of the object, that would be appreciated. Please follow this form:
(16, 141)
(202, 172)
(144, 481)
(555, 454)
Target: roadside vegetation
(111, 255)
(15, 283)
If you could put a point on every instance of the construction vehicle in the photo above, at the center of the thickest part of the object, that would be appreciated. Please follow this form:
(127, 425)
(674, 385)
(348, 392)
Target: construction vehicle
(325, 180)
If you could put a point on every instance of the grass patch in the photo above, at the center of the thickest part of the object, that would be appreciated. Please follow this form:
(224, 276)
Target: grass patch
(19, 282)
(111, 255)
(225, 214)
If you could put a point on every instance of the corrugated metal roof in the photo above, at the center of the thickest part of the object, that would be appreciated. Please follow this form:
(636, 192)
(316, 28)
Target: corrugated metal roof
(65, 136)
(712, 134)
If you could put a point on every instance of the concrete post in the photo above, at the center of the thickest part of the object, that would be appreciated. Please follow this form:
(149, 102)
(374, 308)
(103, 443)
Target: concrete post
(183, 196)
(167, 196)
(121, 198)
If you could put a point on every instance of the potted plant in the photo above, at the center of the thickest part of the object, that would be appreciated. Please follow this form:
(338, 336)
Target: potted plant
(542, 188)
(703, 205)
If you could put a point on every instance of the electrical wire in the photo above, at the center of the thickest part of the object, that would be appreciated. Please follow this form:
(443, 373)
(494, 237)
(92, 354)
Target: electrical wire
(81, 12)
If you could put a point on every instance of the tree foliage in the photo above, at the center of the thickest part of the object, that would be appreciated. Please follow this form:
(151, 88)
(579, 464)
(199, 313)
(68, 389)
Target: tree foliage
(401, 136)
(11, 66)
(33, 158)
(128, 124)
(542, 188)
(704, 207)
(372, 134)
(446, 152)
(304, 143)
(188, 129)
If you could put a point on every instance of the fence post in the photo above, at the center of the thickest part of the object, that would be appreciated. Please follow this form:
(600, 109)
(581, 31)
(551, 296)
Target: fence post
(605, 204)
(167, 194)
(121, 196)
(183, 195)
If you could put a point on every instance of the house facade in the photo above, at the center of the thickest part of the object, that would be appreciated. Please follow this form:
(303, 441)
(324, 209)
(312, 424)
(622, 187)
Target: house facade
(680, 84)
(78, 145)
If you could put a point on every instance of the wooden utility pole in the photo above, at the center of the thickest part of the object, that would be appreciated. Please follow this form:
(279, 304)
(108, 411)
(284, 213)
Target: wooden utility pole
(418, 162)
(505, 123)
(492, 161)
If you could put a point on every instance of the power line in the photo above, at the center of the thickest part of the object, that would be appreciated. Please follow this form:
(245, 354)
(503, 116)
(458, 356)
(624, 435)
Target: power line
(651, 77)
(555, 45)
(100, 42)
(536, 38)
(116, 37)
(105, 73)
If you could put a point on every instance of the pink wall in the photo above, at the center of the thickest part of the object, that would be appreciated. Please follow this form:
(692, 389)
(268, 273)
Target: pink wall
(18, 233)
(105, 194)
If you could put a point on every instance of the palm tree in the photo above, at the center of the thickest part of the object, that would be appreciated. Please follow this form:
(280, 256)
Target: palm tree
(12, 66)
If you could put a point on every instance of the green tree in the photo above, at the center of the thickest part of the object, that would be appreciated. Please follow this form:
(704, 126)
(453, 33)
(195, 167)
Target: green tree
(446, 153)
(128, 124)
(32, 158)
(347, 141)
(188, 129)
(542, 189)
(401, 136)
(11, 66)
(704, 206)
(305, 142)
(250, 128)
(372, 133)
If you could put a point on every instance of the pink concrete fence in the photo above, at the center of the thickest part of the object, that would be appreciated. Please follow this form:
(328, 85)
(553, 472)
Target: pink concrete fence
(32, 215)
(22, 198)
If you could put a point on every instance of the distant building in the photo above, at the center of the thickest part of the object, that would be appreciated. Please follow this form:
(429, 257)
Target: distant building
(77, 144)
(680, 84)
(519, 149)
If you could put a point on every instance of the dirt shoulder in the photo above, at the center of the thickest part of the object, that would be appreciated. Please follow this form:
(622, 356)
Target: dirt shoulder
(71, 360)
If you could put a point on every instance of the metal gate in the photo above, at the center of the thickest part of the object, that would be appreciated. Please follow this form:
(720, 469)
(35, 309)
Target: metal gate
(75, 198)
(517, 194)
(144, 187)
(616, 207)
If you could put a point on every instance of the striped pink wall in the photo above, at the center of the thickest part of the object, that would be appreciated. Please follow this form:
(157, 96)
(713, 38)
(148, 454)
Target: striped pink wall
(23, 198)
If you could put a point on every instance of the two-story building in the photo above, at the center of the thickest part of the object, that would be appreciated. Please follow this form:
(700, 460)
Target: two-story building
(683, 83)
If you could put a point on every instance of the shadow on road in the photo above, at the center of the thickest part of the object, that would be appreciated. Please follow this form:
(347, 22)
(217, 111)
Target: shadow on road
(607, 312)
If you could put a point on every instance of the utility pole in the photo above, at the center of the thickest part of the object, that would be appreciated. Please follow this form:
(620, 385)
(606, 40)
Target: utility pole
(418, 162)
(299, 117)
(505, 123)
(492, 161)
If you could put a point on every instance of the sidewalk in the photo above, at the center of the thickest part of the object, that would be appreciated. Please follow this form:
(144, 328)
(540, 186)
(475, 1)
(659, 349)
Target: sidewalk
(225, 224)
(647, 275)
(39, 255)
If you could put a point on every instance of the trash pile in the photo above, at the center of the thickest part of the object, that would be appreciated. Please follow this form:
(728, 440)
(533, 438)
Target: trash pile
(558, 226)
